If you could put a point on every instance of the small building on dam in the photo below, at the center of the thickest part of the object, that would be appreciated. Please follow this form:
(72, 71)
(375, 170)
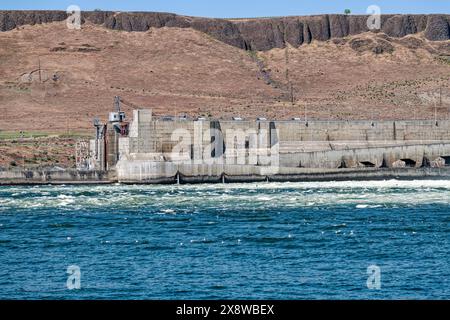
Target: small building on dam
(150, 149)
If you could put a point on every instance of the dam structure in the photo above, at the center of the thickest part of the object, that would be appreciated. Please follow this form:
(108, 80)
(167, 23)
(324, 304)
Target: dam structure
(151, 149)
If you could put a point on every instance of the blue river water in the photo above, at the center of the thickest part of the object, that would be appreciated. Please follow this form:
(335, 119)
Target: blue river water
(233, 241)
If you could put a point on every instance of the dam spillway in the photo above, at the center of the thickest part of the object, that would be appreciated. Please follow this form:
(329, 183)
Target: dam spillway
(151, 149)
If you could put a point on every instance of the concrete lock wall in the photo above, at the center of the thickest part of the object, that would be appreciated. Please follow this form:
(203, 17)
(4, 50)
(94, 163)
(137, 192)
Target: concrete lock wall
(177, 149)
(48, 176)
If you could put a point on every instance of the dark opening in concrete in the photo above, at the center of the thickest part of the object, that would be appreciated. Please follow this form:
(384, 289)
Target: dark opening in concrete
(368, 164)
(343, 165)
(426, 162)
(447, 160)
(409, 163)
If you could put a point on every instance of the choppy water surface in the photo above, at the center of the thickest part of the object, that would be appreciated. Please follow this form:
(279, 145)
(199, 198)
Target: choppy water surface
(236, 241)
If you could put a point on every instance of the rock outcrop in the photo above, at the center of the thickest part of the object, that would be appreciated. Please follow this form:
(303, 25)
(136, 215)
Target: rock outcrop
(378, 47)
(249, 34)
(438, 28)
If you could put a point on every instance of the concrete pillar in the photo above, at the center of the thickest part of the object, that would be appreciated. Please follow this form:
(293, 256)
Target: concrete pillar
(112, 147)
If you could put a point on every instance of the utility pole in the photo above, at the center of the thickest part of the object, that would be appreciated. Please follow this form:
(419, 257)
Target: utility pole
(40, 77)
(306, 113)
(435, 112)
(292, 94)
(288, 80)
(415, 105)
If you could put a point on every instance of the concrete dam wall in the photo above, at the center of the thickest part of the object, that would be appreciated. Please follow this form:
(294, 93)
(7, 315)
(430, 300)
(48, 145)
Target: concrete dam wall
(168, 150)
(153, 150)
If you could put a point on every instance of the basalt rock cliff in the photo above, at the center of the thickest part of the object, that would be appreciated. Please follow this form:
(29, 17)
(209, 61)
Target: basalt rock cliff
(250, 34)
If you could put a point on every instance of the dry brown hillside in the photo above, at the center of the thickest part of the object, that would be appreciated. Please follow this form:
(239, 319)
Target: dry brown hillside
(181, 70)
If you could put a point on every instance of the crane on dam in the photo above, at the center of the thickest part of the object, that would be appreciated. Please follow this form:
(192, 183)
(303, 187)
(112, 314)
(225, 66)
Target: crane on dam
(118, 117)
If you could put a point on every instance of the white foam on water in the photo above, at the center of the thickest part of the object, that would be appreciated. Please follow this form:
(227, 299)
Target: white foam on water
(360, 194)
(264, 198)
